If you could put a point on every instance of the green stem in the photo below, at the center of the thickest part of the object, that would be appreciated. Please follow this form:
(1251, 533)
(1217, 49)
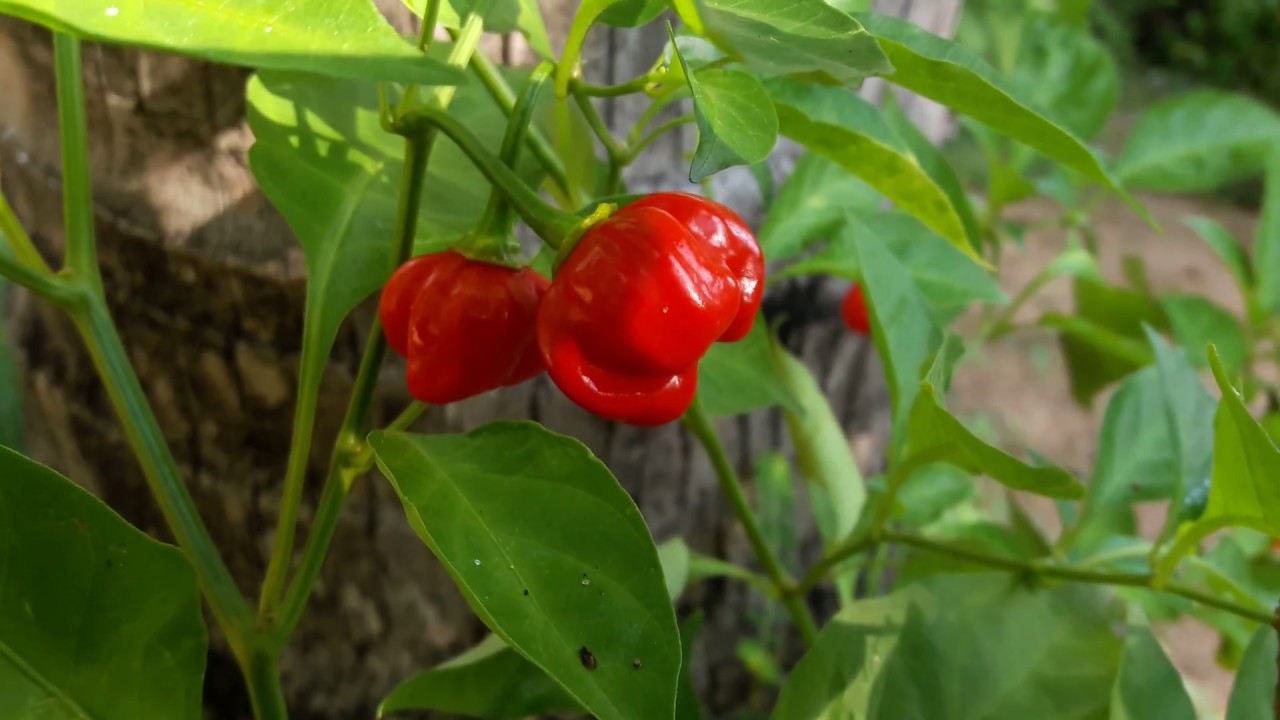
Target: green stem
(23, 249)
(77, 194)
(644, 142)
(837, 555)
(549, 223)
(82, 296)
(417, 151)
(574, 42)
(266, 696)
(161, 471)
(631, 87)
(1076, 574)
(491, 77)
(497, 219)
(56, 290)
(700, 424)
(616, 151)
(430, 18)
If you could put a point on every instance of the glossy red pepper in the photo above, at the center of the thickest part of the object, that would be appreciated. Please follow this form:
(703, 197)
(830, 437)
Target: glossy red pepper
(640, 300)
(726, 231)
(464, 326)
(854, 311)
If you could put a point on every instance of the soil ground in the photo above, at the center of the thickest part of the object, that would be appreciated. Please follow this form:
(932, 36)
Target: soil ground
(1018, 388)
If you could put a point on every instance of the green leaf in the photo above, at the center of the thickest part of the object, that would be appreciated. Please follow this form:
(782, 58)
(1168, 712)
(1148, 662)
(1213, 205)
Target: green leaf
(836, 489)
(1188, 411)
(254, 33)
(737, 124)
(1266, 244)
(504, 16)
(550, 552)
(812, 205)
(1246, 464)
(1068, 73)
(1198, 142)
(931, 491)
(933, 162)
(958, 648)
(1226, 247)
(1245, 487)
(490, 681)
(97, 620)
(1255, 686)
(901, 327)
(797, 37)
(325, 163)
(11, 417)
(632, 13)
(935, 435)
(839, 125)
(1105, 340)
(947, 73)
(1196, 321)
(1148, 686)
(687, 705)
(949, 282)
(736, 378)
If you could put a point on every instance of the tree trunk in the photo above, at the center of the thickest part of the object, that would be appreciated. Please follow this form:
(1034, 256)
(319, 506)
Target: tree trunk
(206, 284)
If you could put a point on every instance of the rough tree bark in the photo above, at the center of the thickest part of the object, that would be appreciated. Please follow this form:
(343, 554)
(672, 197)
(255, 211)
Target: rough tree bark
(206, 284)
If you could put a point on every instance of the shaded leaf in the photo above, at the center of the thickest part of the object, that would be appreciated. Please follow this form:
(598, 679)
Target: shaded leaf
(97, 620)
(504, 16)
(947, 73)
(949, 282)
(1227, 248)
(839, 125)
(797, 37)
(936, 435)
(936, 165)
(1255, 686)
(1068, 73)
(1196, 321)
(836, 489)
(253, 33)
(1266, 244)
(1198, 142)
(958, 648)
(550, 552)
(736, 378)
(1148, 686)
(812, 204)
(488, 681)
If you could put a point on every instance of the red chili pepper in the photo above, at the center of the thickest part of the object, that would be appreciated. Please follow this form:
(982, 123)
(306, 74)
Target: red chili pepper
(465, 326)
(854, 311)
(640, 300)
(727, 232)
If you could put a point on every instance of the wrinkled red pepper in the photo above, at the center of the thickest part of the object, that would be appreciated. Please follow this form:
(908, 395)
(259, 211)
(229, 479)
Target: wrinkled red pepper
(464, 326)
(640, 300)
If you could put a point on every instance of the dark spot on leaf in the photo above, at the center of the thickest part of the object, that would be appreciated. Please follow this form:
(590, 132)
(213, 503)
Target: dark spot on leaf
(110, 563)
(588, 660)
(636, 664)
(526, 592)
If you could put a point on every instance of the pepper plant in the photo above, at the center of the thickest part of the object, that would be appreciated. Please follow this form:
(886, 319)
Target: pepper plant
(645, 310)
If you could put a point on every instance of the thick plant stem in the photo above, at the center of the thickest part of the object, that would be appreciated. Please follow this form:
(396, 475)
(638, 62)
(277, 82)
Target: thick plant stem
(550, 224)
(80, 292)
(48, 286)
(161, 471)
(77, 194)
(700, 424)
(262, 676)
(417, 151)
(491, 77)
